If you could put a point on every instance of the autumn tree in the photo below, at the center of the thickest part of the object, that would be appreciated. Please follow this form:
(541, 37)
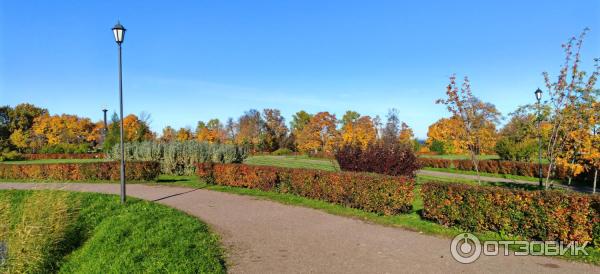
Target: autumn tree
(349, 117)
(230, 130)
(168, 134)
(406, 135)
(566, 110)
(299, 120)
(518, 139)
(184, 134)
(274, 130)
(250, 129)
(391, 130)
(360, 131)
(319, 135)
(22, 116)
(55, 130)
(474, 116)
(20, 122)
(135, 130)
(5, 128)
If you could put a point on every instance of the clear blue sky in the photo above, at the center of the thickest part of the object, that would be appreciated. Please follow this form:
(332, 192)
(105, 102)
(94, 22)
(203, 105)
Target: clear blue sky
(186, 61)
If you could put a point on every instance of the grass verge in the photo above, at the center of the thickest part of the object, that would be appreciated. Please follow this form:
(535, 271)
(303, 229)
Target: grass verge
(147, 237)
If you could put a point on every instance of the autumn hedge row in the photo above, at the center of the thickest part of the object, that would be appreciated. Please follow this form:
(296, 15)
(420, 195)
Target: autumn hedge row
(371, 192)
(499, 167)
(63, 156)
(135, 171)
(536, 215)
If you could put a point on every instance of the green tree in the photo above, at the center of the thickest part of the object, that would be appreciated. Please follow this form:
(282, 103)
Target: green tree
(349, 117)
(5, 127)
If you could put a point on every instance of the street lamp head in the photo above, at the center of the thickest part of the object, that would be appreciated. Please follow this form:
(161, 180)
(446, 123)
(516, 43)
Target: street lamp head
(538, 94)
(119, 32)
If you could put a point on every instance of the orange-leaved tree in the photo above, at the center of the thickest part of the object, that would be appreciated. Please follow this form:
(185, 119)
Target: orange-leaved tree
(319, 135)
(474, 115)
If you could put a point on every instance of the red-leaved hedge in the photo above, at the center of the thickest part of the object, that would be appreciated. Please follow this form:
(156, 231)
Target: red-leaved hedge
(536, 215)
(500, 167)
(135, 171)
(394, 160)
(63, 156)
(371, 192)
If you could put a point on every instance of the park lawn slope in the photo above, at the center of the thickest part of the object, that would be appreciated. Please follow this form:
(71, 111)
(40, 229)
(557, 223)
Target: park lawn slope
(102, 236)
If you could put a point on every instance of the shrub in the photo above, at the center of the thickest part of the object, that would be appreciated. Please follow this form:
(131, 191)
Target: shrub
(438, 147)
(515, 151)
(63, 156)
(282, 151)
(10, 155)
(536, 215)
(394, 160)
(371, 192)
(135, 171)
(180, 158)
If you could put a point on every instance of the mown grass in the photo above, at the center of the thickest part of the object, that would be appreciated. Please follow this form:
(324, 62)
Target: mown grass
(506, 176)
(102, 236)
(460, 157)
(293, 162)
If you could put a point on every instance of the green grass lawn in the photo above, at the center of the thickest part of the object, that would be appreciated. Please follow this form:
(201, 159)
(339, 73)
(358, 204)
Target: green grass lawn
(102, 236)
(460, 157)
(293, 162)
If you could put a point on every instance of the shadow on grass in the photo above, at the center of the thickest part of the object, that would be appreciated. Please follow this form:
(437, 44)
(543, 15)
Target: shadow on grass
(172, 180)
(519, 186)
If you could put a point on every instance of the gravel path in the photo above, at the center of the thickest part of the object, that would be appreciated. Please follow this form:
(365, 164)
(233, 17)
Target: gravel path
(267, 237)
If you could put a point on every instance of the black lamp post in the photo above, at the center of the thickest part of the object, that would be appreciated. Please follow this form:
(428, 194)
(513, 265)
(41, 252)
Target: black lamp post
(538, 96)
(119, 32)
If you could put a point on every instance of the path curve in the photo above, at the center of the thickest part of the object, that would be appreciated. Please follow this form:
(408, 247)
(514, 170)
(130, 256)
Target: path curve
(262, 236)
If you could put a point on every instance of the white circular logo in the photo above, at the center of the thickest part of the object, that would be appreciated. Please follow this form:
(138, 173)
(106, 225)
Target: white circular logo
(465, 248)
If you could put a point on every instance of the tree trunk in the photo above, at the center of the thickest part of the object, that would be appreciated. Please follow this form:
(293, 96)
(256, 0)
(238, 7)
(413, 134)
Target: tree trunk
(476, 164)
(595, 180)
(547, 184)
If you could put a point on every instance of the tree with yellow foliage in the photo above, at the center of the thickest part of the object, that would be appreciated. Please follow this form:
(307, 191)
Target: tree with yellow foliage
(319, 135)
(446, 131)
(570, 106)
(62, 129)
(360, 131)
(184, 134)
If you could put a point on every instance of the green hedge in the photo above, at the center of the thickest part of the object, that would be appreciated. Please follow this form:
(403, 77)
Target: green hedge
(536, 215)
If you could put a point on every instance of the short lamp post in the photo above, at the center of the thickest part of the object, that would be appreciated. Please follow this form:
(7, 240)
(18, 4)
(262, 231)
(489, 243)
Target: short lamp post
(538, 97)
(119, 32)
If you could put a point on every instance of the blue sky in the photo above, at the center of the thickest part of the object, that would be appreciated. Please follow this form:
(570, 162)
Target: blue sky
(186, 61)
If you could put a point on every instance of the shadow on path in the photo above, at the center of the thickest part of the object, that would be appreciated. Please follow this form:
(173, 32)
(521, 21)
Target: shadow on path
(174, 195)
